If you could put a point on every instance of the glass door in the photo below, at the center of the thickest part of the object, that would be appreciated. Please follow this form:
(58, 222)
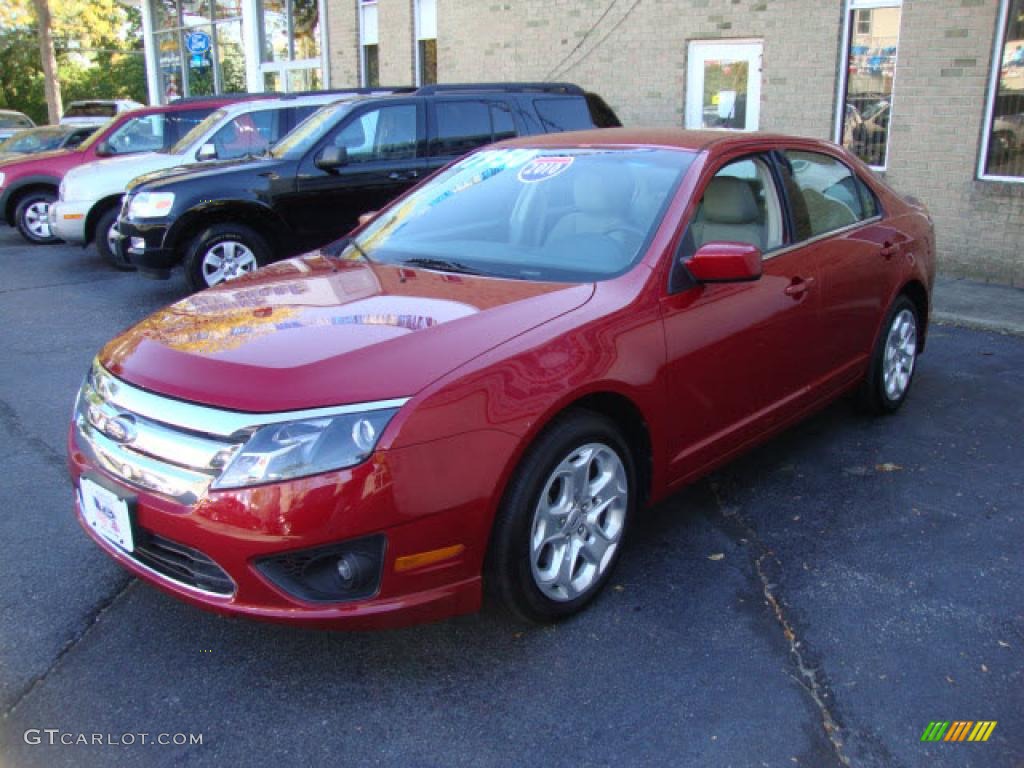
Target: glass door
(723, 85)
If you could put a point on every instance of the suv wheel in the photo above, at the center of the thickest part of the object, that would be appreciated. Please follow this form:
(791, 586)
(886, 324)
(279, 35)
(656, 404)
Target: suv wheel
(224, 252)
(561, 525)
(31, 217)
(106, 234)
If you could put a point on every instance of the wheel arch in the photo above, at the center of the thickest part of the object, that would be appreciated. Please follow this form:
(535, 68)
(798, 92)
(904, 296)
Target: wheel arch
(260, 218)
(25, 186)
(917, 293)
(97, 211)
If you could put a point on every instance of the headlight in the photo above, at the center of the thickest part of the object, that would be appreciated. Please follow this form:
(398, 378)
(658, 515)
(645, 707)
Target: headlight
(61, 189)
(150, 205)
(307, 447)
(3, 178)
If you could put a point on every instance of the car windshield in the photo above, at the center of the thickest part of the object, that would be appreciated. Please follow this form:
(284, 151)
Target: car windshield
(308, 132)
(144, 133)
(186, 141)
(14, 121)
(566, 215)
(34, 141)
(91, 109)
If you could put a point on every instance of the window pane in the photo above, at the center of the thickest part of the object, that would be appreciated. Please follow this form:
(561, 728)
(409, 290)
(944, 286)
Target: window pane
(725, 93)
(249, 134)
(826, 197)
(275, 30)
(740, 205)
(871, 64)
(232, 57)
(372, 66)
(140, 134)
(501, 119)
(1006, 141)
(388, 133)
(305, 29)
(428, 62)
(563, 114)
(461, 127)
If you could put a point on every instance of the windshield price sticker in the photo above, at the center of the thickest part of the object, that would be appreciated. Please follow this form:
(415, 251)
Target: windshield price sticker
(544, 168)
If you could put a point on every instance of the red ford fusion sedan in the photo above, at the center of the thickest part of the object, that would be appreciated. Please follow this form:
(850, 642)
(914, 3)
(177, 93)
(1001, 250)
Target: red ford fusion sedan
(483, 385)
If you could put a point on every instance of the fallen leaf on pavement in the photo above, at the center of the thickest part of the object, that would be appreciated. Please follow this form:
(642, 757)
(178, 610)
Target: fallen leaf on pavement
(1005, 645)
(887, 467)
(716, 556)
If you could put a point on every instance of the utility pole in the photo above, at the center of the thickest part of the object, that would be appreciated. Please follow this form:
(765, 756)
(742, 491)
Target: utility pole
(51, 83)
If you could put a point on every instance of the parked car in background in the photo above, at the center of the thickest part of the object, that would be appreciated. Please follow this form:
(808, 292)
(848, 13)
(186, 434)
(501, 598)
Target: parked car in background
(484, 384)
(96, 111)
(28, 185)
(44, 138)
(90, 195)
(225, 219)
(12, 122)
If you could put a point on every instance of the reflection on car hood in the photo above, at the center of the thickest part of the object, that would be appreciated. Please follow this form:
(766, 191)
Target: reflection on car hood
(196, 171)
(312, 332)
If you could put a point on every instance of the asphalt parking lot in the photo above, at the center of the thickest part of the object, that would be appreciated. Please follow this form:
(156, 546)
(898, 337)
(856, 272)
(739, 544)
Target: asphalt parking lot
(816, 603)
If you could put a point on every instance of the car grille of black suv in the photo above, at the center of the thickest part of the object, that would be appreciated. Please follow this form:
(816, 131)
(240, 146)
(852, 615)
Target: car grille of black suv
(182, 564)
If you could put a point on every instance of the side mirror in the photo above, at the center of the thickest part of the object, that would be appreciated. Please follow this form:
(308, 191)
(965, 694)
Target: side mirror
(367, 217)
(332, 158)
(103, 149)
(207, 152)
(722, 262)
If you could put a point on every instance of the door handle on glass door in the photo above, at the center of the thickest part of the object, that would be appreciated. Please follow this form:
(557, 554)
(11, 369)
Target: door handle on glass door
(799, 286)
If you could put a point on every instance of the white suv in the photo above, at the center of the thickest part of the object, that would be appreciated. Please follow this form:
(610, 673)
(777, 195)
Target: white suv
(90, 195)
(96, 111)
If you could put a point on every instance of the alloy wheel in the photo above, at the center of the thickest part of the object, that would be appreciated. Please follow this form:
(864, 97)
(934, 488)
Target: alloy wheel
(36, 221)
(578, 522)
(900, 354)
(227, 260)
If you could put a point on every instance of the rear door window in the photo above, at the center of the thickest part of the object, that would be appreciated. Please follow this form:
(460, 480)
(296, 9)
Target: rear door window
(824, 193)
(563, 114)
(462, 126)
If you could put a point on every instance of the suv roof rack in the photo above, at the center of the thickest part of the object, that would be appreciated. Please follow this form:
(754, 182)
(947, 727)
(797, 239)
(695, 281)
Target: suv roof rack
(213, 97)
(429, 90)
(382, 90)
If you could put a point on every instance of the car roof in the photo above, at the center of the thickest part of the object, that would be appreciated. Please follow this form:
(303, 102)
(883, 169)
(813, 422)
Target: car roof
(280, 102)
(669, 138)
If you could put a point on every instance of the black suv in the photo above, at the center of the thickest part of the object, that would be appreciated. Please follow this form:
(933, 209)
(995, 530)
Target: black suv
(226, 218)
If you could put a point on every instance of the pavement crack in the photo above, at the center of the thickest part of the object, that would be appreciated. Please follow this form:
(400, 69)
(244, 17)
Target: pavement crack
(807, 676)
(91, 620)
(104, 278)
(12, 424)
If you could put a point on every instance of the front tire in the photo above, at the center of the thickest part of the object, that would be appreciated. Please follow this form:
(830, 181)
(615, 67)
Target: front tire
(105, 232)
(894, 359)
(224, 252)
(561, 526)
(30, 217)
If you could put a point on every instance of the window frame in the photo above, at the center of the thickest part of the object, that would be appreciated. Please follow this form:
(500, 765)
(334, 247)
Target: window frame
(839, 118)
(991, 92)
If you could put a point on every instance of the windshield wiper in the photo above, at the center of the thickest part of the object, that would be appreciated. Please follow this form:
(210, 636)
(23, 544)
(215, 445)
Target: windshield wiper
(336, 248)
(441, 265)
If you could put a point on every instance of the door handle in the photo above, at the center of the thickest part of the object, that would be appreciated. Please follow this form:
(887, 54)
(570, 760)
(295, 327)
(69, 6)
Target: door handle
(799, 286)
(888, 249)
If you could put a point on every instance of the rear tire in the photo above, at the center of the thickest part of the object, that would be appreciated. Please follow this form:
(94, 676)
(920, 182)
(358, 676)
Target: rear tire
(893, 361)
(104, 244)
(30, 217)
(563, 521)
(223, 252)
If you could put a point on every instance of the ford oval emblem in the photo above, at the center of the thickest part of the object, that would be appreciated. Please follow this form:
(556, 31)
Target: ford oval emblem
(120, 429)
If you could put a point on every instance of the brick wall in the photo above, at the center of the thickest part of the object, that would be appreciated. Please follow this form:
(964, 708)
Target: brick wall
(633, 53)
(343, 47)
(942, 75)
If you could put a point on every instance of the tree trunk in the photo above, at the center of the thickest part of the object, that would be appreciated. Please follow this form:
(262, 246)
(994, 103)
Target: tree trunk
(52, 82)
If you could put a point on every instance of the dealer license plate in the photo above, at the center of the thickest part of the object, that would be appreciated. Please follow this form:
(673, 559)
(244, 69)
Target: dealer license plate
(107, 514)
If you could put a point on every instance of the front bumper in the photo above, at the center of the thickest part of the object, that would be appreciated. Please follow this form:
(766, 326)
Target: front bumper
(143, 245)
(417, 498)
(67, 220)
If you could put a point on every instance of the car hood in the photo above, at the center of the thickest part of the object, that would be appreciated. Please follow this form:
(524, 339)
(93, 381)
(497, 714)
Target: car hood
(211, 169)
(314, 331)
(112, 174)
(9, 163)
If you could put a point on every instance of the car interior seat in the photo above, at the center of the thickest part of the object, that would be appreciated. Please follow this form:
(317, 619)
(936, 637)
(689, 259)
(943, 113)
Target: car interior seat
(601, 207)
(729, 212)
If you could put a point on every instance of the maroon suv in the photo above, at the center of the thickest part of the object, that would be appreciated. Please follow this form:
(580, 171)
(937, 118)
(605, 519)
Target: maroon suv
(29, 185)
